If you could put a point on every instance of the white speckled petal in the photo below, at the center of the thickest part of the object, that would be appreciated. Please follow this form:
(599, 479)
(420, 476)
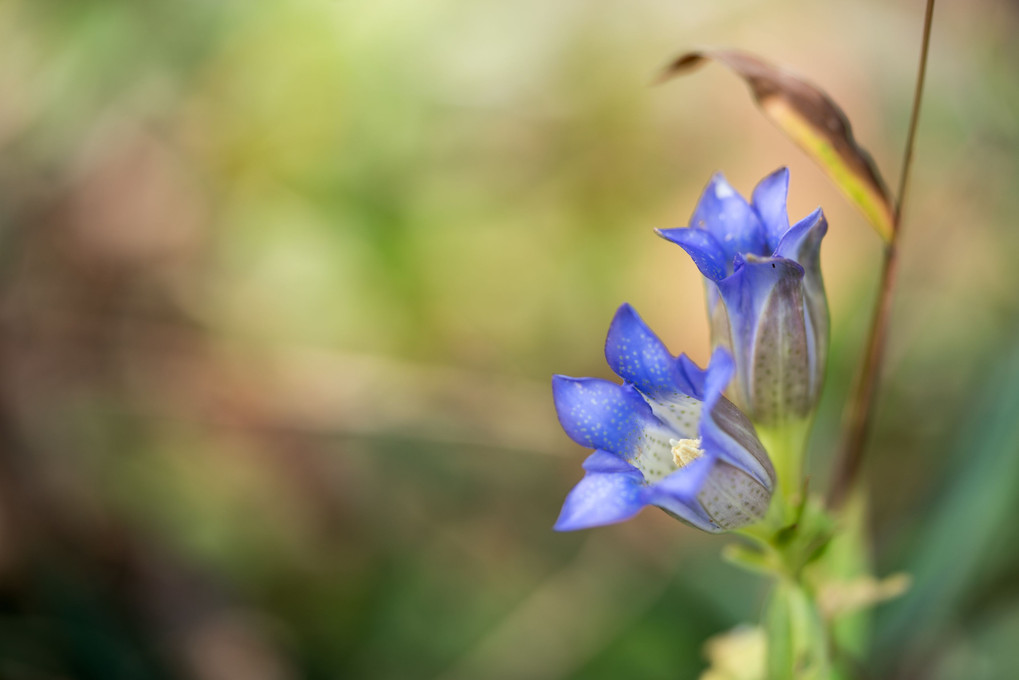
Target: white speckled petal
(680, 412)
(677, 494)
(653, 455)
(732, 498)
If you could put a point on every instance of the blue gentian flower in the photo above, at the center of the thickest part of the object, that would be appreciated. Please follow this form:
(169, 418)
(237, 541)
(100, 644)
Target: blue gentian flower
(666, 437)
(766, 299)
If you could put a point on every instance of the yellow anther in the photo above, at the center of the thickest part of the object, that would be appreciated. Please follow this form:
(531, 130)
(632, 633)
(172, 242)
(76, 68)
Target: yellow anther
(685, 451)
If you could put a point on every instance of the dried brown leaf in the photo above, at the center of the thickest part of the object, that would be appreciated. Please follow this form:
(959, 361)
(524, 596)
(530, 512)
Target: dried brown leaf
(813, 121)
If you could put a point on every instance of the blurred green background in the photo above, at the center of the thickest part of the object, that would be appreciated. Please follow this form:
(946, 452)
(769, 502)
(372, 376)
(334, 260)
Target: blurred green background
(282, 284)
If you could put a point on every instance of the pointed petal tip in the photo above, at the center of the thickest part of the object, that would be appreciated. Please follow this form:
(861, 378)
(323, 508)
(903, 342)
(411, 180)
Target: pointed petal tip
(602, 498)
(624, 317)
(802, 242)
(577, 521)
(637, 355)
(622, 326)
(776, 181)
(559, 380)
(720, 185)
(570, 520)
(819, 220)
(702, 247)
(563, 524)
(818, 217)
(782, 173)
(624, 312)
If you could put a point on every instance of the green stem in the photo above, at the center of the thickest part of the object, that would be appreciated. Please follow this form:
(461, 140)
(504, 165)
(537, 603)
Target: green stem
(797, 641)
(786, 444)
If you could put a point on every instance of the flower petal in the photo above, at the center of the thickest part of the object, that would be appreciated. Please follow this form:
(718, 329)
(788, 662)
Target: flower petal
(732, 497)
(769, 201)
(693, 375)
(725, 431)
(749, 290)
(637, 356)
(764, 302)
(600, 414)
(610, 492)
(677, 493)
(717, 376)
(730, 219)
(609, 463)
(802, 242)
(703, 248)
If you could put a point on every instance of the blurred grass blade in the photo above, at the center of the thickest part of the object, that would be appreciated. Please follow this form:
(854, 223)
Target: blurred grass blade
(973, 517)
(813, 121)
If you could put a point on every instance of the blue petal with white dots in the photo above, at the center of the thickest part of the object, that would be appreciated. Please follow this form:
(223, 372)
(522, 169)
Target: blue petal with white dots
(637, 356)
(611, 491)
(601, 415)
(658, 442)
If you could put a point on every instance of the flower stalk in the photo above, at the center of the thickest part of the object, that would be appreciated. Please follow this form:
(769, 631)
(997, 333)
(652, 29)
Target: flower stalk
(786, 444)
(722, 448)
(797, 645)
(859, 413)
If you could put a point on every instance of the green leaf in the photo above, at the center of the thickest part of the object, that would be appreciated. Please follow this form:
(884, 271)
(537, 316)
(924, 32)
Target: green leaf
(812, 120)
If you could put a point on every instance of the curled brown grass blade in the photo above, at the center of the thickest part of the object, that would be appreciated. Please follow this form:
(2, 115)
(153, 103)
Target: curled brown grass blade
(815, 122)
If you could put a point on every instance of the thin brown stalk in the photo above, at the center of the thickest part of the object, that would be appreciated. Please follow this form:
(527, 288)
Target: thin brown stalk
(860, 410)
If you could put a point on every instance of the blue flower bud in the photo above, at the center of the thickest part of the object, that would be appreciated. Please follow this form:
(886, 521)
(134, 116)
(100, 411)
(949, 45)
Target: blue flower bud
(766, 300)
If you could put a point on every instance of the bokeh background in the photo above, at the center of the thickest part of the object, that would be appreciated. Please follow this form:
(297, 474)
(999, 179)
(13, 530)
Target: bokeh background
(282, 284)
